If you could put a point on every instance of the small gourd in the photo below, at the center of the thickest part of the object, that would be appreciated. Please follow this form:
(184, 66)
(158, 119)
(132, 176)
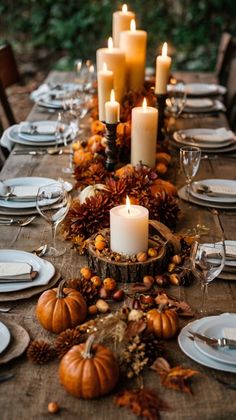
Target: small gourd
(162, 322)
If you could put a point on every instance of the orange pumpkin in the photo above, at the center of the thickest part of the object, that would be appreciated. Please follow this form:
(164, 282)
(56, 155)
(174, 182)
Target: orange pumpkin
(162, 322)
(160, 186)
(61, 308)
(89, 370)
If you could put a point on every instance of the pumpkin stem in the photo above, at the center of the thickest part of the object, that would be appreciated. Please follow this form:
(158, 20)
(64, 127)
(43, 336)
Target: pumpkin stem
(60, 293)
(87, 353)
(161, 307)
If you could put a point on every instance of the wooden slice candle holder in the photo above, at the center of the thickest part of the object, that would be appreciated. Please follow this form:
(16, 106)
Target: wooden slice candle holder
(160, 237)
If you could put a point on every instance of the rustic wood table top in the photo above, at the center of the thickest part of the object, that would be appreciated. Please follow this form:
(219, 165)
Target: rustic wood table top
(27, 395)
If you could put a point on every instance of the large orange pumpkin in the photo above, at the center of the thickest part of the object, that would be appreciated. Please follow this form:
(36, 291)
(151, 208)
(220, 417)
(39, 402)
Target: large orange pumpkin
(61, 308)
(89, 370)
(162, 322)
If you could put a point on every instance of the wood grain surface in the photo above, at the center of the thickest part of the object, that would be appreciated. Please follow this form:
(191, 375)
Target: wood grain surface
(27, 395)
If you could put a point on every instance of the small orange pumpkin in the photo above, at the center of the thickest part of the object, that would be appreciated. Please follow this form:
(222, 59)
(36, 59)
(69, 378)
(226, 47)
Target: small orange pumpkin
(89, 370)
(61, 308)
(162, 322)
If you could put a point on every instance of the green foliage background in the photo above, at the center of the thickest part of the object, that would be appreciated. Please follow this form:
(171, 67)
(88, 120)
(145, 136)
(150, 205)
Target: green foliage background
(76, 28)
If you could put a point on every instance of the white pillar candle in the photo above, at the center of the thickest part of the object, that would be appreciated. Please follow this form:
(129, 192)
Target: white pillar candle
(163, 63)
(134, 43)
(115, 60)
(144, 135)
(112, 110)
(105, 85)
(128, 229)
(121, 22)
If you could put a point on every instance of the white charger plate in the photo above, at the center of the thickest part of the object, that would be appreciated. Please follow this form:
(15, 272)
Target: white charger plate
(35, 181)
(189, 348)
(47, 130)
(209, 182)
(5, 337)
(196, 89)
(213, 328)
(199, 103)
(13, 135)
(45, 269)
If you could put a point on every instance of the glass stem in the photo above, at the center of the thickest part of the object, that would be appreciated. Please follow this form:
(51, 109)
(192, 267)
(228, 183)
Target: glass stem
(204, 289)
(54, 230)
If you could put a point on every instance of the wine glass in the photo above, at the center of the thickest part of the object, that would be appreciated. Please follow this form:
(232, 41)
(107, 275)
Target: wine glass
(189, 161)
(175, 101)
(84, 74)
(207, 260)
(53, 202)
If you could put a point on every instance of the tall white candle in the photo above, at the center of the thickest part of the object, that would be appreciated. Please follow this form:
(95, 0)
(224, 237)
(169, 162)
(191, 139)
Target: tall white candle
(134, 43)
(115, 60)
(163, 63)
(112, 110)
(105, 85)
(121, 22)
(144, 135)
(128, 229)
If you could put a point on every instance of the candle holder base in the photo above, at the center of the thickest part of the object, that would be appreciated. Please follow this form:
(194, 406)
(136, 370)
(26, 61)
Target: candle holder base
(160, 105)
(126, 269)
(111, 149)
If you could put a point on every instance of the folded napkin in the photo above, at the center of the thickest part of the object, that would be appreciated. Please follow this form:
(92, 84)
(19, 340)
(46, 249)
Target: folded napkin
(222, 190)
(35, 128)
(42, 89)
(16, 272)
(23, 192)
(199, 103)
(217, 135)
(6, 139)
(215, 107)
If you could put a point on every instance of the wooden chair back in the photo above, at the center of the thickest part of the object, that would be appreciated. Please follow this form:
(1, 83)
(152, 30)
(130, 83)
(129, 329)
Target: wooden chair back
(9, 73)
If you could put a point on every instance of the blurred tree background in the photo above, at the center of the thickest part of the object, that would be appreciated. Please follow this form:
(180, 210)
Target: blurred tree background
(50, 30)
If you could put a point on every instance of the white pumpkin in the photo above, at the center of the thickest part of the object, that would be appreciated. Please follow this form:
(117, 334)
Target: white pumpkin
(91, 191)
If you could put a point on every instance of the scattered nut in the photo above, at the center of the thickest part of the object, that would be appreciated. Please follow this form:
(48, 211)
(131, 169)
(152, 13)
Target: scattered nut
(102, 306)
(176, 259)
(92, 310)
(103, 293)
(162, 280)
(118, 295)
(86, 273)
(109, 284)
(148, 281)
(53, 407)
(152, 252)
(146, 299)
(142, 256)
(175, 279)
(96, 280)
(171, 267)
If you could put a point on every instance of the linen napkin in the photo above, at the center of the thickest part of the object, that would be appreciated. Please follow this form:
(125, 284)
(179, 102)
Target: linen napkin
(222, 190)
(216, 107)
(16, 272)
(229, 333)
(6, 140)
(35, 128)
(199, 103)
(42, 89)
(217, 135)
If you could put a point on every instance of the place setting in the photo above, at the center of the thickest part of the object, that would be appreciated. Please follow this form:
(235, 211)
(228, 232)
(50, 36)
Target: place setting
(53, 96)
(14, 340)
(204, 89)
(203, 106)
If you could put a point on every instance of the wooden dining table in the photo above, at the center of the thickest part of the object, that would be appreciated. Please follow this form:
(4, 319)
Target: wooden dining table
(27, 394)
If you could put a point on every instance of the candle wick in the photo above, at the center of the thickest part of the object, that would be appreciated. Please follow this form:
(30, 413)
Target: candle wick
(128, 211)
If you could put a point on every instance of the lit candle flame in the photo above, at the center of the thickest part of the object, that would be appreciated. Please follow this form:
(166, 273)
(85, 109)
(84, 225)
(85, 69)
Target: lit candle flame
(91, 69)
(124, 8)
(145, 104)
(164, 50)
(112, 96)
(110, 43)
(104, 66)
(128, 206)
(132, 25)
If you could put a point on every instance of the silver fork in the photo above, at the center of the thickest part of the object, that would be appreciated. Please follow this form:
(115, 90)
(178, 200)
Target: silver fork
(19, 222)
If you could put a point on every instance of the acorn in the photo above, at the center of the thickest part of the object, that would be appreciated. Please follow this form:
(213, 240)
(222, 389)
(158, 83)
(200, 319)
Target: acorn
(171, 267)
(162, 280)
(118, 295)
(96, 280)
(53, 407)
(92, 310)
(102, 306)
(146, 299)
(142, 256)
(152, 252)
(109, 284)
(176, 259)
(103, 293)
(86, 273)
(175, 279)
(148, 281)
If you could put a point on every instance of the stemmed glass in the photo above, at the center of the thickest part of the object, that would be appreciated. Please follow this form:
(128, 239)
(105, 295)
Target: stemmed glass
(84, 74)
(175, 101)
(207, 261)
(53, 203)
(190, 158)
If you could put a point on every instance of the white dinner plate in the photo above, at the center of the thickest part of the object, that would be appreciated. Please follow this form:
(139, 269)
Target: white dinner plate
(34, 181)
(213, 328)
(46, 131)
(189, 347)
(209, 182)
(14, 136)
(5, 337)
(45, 269)
(199, 103)
(186, 138)
(182, 193)
(196, 89)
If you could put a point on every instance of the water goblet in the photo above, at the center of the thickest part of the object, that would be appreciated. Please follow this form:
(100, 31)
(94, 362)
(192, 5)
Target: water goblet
(207, 260)
(175, 102)
(190, 158)
(52, 203)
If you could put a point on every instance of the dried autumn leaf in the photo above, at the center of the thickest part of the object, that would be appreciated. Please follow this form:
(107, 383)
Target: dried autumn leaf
(139, 288)
(142, 402)
(135, 328)
(174, 378)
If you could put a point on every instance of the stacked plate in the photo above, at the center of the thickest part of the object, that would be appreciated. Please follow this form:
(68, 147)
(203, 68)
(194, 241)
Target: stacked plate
(39, 133)
(204, 89)
(229, 270)
(210, 140)
(204, 105)
(5, 337)
(56, 97)
(220, 358)
(218, 193)
(22, 200)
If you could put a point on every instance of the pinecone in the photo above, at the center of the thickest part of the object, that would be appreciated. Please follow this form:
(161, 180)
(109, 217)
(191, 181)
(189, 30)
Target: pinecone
(153, 347)
(66, 340)
(134, 357)
(88, 218)
(85, 287)
(40, 352)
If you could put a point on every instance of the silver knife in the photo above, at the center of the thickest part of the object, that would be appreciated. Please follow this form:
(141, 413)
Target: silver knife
(214, 342)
